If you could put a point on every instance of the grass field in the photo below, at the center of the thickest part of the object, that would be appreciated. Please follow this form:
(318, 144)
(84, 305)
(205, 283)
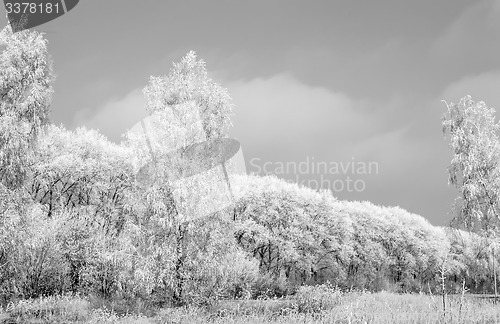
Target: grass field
(336, 307)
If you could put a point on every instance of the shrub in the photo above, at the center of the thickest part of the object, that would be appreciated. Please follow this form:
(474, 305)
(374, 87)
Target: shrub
(34, 264)
(316, 299)
(216, 267)
(269, 286)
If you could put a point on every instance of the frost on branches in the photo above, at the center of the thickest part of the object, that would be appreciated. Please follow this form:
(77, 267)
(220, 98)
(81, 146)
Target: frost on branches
(474, 169)
(25, 95)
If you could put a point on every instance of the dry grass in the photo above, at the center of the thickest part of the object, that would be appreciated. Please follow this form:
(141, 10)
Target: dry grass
(320, 306)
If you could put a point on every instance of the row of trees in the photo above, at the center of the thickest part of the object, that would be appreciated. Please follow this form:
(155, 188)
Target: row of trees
(309, 237)
(76, 216)
(283, 236)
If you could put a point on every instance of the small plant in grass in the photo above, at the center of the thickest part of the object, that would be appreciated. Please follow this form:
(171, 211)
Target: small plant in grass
(103, 316)
(106, 316)
(464, 290)
(62, 308)
(123, 306)
(315, 299)
(184, 314)
(443, 269)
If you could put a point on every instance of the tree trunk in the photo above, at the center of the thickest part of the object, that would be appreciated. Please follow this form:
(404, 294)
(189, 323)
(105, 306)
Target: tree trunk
(494, 274)
(181, 256)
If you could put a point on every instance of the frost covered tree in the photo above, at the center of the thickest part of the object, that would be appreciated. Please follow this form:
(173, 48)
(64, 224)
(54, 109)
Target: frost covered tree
(474, 168)
(80, 170)
(189, 81)
(25, 94)
(186, 109)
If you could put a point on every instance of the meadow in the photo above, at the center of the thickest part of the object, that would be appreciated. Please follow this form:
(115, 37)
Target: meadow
(318, 304)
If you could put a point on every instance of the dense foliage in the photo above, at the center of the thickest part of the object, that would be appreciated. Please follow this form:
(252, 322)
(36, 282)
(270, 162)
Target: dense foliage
(25, 95)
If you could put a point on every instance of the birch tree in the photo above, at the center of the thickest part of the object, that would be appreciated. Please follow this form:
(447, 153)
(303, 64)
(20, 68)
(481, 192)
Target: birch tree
(474, 169)
(25, 94)
(176, 147)
(189, 81)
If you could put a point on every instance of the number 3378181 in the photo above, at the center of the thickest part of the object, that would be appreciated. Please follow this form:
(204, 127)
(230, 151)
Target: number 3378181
(33, 8)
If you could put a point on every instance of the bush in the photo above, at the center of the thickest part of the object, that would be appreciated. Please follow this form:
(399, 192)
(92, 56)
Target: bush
(34, 264)
(216, 267)
(269, 286)
(316, 299)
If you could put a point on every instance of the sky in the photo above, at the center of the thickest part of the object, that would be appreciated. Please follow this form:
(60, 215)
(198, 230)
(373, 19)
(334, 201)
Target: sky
(356, 86)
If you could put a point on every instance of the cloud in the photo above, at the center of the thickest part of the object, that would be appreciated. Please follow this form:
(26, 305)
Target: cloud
(278, 118)
(116, 116)
(285, 116)
(482, 87)
(473, 39)
(282, 119)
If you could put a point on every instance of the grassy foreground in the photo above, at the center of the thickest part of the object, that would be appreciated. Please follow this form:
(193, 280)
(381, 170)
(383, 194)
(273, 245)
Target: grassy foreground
(330, 307)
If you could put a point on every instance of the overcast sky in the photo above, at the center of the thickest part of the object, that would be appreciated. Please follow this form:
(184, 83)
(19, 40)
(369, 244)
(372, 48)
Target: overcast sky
(331, 82)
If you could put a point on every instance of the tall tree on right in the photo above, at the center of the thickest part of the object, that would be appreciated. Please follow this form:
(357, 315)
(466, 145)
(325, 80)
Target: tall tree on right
(475, 169)
(475, 166)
